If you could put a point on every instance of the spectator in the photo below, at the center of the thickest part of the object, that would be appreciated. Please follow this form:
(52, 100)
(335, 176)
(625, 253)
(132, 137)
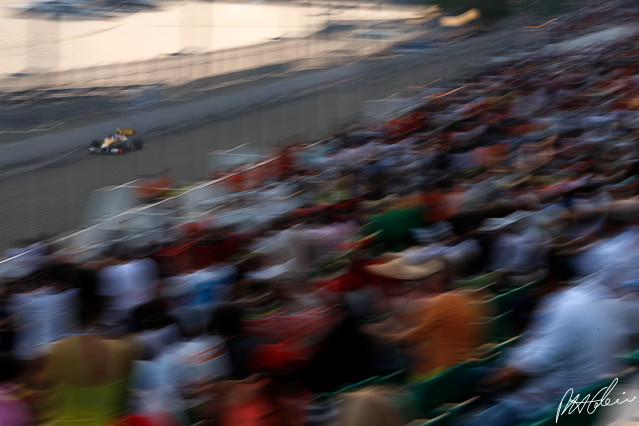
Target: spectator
(227, 321)
(87, 373)
(46, 313)
(15, 407)
(572, 342)
(442, 324)
(518, 250)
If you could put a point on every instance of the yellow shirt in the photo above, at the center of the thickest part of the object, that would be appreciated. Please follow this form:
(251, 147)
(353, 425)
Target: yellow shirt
(90, 378)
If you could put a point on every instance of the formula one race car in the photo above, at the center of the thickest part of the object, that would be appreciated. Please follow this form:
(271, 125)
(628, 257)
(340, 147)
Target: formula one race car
(122, 141)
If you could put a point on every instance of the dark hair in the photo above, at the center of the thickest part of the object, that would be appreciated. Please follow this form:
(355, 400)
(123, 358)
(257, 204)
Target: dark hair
(152, 315)
(227, 319)
(560, 268)
(10, 368)
(60, 273)
(90, 310)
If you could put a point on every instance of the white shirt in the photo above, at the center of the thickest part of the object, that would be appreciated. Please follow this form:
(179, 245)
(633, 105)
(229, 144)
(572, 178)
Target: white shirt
(272, 272)
(202, 288)
(616, 259)
(43, 317)
(522, 252)
(125, 286)
(26, 260)
(144, 279)
(163, 383)
(573, 340)
(204, 358)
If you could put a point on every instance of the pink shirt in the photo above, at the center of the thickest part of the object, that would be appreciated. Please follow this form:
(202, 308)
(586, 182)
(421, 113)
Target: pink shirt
(14, 410)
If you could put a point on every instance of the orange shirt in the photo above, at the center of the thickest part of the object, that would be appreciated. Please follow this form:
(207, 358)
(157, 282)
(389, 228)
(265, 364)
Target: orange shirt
(446, 331)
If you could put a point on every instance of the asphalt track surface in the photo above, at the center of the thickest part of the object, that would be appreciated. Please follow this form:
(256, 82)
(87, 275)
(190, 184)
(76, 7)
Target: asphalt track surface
(53, 200)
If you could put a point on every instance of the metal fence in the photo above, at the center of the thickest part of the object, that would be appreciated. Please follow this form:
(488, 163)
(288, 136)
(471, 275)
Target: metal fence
(278, 55)
(29, 99)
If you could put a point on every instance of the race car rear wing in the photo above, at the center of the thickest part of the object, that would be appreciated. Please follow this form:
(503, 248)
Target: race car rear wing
(128, 132)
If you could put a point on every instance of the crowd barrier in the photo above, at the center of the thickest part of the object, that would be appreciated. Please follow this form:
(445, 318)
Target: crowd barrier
(159, 220)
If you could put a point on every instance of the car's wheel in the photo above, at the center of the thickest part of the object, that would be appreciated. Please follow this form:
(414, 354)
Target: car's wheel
(96, 144)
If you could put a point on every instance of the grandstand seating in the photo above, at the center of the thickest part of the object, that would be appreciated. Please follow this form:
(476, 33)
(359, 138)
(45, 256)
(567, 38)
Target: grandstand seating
(441, 420)
(483, 281)
(500, 327)
(512, 298)
(453, 386)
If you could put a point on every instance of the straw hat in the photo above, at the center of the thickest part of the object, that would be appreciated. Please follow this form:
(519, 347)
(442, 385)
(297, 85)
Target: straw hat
(400, 269)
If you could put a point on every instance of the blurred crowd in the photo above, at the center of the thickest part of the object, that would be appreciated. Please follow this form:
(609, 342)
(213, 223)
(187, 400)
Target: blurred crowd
(482, 250)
